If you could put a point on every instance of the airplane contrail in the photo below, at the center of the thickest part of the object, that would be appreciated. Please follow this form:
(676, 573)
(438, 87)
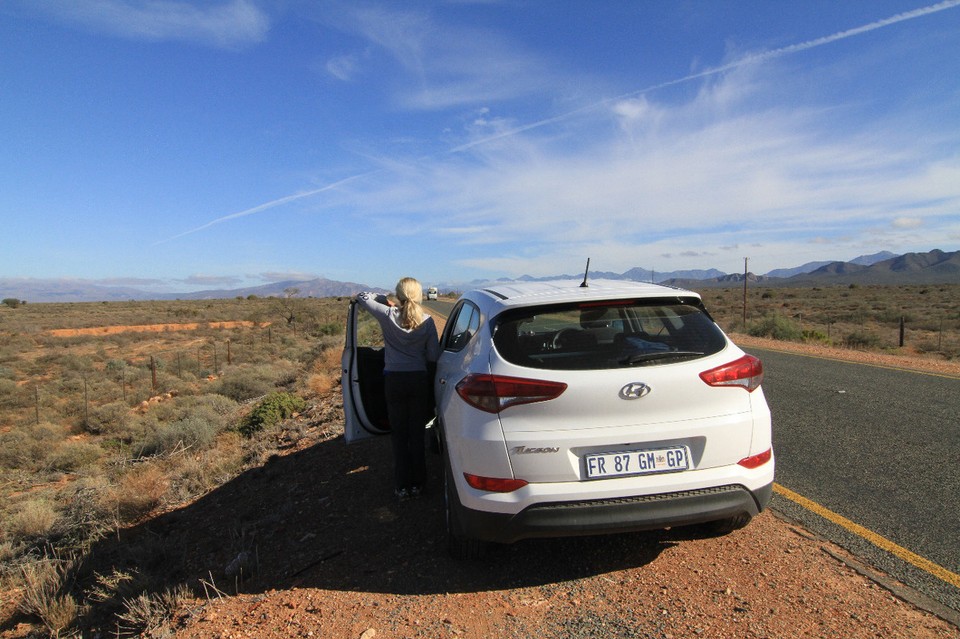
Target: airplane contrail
(271, 204)
(749, 59)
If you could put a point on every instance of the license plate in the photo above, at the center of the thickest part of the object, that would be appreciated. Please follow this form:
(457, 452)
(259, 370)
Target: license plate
(637, 462)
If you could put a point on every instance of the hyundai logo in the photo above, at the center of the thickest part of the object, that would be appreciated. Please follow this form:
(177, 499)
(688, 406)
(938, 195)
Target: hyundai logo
(634, 390)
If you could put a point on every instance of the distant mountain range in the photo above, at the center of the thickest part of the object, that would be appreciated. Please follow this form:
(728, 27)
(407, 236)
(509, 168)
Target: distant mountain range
(885, 268)
(809, 267)
(38, 290)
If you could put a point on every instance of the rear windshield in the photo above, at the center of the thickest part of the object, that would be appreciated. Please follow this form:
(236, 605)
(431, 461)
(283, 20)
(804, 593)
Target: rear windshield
(616, 334)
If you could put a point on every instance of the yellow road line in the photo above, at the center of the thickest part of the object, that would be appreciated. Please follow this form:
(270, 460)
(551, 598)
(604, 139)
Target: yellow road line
(881, 542)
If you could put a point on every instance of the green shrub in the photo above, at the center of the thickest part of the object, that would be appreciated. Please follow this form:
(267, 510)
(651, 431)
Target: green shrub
(74, 455)
(109, 418)
(331, 328)
(193, 433)
(777, 327)
(8, 393)
(271, 410)
(862, 339)
(27, 446)
(810, 335)
(247, 382)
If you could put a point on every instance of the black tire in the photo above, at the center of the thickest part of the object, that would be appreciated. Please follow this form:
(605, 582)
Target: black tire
(727, 525)
(459, 545)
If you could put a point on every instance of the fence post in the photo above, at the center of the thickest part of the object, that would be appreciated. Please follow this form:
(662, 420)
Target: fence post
(901, 331)
(228, 353)
(86, 405)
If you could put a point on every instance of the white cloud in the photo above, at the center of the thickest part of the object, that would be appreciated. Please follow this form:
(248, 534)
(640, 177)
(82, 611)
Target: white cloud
(446, 66)
(646, 179)
(343, 67)
(907, 222)
(284, 276)
(229, 24)
(211, 280)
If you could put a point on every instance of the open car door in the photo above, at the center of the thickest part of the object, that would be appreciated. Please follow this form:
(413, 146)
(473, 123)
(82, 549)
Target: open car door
(364, 405)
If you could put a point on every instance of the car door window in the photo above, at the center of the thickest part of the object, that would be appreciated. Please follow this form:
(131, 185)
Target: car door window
(465, 325)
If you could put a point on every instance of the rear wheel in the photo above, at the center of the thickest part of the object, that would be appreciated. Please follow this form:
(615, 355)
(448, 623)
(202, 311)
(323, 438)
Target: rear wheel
(727, 525)
(459, 545)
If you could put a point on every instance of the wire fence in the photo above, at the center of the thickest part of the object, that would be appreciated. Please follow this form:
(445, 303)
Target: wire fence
(75, 392)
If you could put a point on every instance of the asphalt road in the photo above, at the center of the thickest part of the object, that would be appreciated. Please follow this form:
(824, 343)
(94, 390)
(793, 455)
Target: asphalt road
(878, 446)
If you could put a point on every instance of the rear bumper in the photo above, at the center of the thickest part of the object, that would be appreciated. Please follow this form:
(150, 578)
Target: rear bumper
(627, 514)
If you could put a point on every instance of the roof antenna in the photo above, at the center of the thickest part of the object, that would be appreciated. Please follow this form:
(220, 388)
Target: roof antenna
(583, 284)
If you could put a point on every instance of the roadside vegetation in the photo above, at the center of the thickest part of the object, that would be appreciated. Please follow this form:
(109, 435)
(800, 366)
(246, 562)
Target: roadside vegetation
(850, 316)
(102, 429)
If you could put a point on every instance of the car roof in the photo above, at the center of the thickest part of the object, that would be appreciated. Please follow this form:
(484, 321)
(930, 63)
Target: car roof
(561, 291)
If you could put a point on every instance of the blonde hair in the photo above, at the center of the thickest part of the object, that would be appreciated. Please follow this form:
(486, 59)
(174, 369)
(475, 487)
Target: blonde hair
(410, 294)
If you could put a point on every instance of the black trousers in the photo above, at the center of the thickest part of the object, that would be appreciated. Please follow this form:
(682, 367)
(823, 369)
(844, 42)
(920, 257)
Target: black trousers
(408, 409)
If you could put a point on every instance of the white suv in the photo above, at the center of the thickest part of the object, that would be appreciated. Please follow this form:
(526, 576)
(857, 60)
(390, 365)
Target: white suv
(619, 406)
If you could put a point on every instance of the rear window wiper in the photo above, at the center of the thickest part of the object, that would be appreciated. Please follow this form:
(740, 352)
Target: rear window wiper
(640, 358)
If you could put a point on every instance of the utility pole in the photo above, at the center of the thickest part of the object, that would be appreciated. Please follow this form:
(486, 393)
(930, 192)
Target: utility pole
(745, 260)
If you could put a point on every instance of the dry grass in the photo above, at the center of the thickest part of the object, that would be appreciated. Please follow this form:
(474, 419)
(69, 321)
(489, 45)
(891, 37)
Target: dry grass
(138, 493)
(45, 597)
(33, 520)
(144, 613)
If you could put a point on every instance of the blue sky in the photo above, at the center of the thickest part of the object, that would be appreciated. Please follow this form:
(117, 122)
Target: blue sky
(182, 145)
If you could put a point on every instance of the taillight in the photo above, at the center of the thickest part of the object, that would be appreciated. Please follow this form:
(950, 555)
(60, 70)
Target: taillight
(756, 461)
(494, 484)
(493, 393)
(746, 372)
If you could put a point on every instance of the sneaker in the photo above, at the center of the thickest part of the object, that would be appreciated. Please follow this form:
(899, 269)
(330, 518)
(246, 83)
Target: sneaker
(402, 494)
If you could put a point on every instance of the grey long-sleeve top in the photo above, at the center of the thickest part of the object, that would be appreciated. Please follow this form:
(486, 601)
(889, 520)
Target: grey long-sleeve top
(406, 350)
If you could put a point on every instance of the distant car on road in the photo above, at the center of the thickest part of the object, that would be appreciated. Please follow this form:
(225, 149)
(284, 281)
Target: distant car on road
(432, 293)
(570, 410)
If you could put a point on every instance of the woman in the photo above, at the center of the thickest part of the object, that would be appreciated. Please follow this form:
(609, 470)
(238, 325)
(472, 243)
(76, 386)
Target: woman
(410, 341)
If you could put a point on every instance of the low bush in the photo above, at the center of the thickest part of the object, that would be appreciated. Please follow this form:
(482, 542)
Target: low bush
(45, 596)
(777, 327)
(74, 455)
(112, 418)
(247, 382)
(147, 612)
(815, 336)
(137, 493)
(26, 446)
(862, 340)
(271, 410)
(33, 520)
(194, 433)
